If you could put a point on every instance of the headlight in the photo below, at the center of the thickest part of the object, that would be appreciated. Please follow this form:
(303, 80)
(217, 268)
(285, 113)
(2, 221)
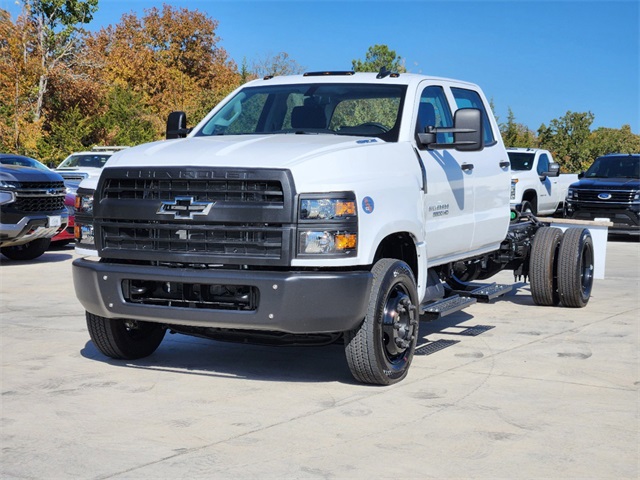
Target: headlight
(636, 196)
(83, 235)
(327, 242)
(84, 203)
(6, 184)
(513, 188)
(327, 208)
(572, 194)
(6, 197)
(83, 229)
(328, 224)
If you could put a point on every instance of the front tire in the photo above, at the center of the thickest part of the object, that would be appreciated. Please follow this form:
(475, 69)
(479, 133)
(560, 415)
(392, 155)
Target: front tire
(381, 349)
(575, 267)
(124, 339)
(27, 251)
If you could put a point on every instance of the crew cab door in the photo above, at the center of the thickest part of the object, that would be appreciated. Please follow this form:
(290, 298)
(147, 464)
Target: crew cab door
(491, 176)
(466, 202)
(448, 194)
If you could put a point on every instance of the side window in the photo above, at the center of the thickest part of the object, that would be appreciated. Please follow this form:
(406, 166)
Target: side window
(470, 99)
(543, 164)
(434, 111)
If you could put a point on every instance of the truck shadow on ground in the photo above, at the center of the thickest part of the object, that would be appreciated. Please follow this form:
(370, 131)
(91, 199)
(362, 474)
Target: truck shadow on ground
(182, 354)
(47, 257)
(185, 355)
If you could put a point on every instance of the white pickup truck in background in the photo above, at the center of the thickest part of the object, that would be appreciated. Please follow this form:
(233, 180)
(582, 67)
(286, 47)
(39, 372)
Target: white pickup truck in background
(82, 165)
(536, 183)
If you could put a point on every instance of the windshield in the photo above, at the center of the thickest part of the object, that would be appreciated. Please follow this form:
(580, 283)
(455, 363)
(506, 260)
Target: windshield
(85, 160)
(521, 160)
(615, 167)
(23, 162)
(340, 109)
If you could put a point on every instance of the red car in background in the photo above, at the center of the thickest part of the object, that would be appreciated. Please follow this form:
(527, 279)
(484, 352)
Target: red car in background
(66, 236)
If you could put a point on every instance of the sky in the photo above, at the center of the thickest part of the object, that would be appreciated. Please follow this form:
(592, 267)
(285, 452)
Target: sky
(539, 58)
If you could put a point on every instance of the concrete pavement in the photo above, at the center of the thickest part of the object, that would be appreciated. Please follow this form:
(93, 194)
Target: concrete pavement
(507, 390)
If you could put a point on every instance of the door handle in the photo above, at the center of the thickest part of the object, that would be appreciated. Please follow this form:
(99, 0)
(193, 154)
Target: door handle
(467, 166)
(504, 164)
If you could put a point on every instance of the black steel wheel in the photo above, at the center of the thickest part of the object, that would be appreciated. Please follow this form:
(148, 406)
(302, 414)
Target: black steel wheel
(543, 266)
(575, 267)
(27, 251)
(380, 350)
(124, 339)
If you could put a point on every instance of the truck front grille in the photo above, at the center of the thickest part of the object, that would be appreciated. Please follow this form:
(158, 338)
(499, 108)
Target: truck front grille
(220, 240)
(195, 215)
(74, 177)
(617, 196)
(39, 197)
(202, 190)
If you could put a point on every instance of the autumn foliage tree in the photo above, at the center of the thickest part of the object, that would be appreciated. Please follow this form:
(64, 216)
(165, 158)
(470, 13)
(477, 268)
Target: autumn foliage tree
(115, 86)
(170, 57)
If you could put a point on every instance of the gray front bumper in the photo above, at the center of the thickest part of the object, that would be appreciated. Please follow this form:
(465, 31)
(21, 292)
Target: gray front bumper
(30, 228)
(292, 302)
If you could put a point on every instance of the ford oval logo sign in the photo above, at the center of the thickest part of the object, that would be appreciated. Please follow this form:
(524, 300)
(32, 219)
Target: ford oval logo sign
(604, 196)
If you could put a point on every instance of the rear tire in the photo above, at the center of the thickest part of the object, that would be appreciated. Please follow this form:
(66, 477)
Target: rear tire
(124, 339)
(575, 267)
(381, 349)
(543, 266)
(27, 251)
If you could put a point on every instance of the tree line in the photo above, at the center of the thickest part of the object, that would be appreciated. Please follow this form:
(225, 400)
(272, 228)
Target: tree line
(65, 89)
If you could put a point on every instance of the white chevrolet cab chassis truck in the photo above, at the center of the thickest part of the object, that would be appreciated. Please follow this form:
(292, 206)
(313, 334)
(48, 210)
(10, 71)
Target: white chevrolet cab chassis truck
(313, 208)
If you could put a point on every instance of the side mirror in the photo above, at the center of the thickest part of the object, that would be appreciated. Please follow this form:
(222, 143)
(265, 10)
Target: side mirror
(554, 171)
(467, 132)
(469, 137)
(177, 125)
(580, 175)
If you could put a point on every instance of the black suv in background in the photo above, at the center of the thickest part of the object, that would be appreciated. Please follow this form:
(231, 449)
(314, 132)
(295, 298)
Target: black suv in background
(610, 188)
(32, 207)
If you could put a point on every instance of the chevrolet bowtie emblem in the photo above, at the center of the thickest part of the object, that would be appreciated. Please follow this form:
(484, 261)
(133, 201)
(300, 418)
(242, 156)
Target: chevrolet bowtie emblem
(185, 207)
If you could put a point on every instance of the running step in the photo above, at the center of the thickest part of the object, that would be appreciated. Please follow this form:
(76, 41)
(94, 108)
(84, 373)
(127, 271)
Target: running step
(446, 306)
(484, 293)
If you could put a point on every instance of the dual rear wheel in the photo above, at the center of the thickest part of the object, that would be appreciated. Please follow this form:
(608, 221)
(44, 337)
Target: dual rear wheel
(561, 267)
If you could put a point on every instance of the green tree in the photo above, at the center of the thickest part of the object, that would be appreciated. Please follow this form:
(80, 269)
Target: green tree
(379, 56)
(613, 140)
(568, 139)
(516, 134)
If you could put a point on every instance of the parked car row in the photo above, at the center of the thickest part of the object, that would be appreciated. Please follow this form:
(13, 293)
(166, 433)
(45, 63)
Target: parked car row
(37, 203)
(609, 189)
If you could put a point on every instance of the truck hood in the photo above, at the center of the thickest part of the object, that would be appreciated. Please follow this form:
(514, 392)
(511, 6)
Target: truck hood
(18, 173)
(608, 184)
(264, 151)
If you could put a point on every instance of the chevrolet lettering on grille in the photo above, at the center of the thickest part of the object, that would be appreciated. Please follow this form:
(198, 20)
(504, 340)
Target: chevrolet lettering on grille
(185, 207)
